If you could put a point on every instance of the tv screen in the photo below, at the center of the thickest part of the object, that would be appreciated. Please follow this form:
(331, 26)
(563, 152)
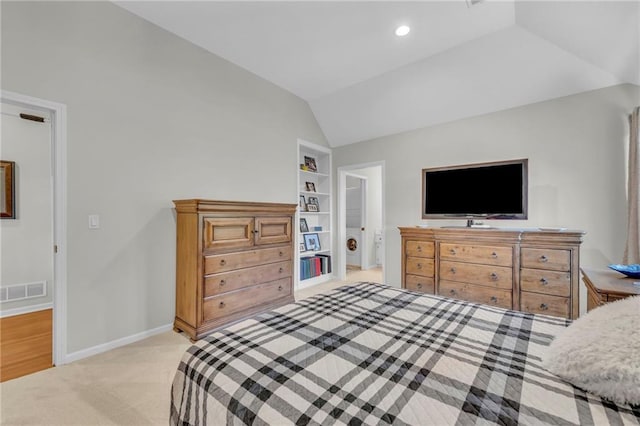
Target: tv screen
(489, 190)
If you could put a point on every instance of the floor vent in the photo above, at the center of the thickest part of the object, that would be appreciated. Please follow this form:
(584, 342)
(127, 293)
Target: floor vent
(23, 291)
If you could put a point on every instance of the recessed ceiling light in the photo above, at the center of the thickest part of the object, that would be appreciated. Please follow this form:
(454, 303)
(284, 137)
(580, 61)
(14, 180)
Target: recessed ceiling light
(402, 30)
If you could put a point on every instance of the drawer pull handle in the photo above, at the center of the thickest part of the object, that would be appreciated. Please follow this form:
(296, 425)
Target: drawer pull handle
(419, 266)
(279, 288)
(221, 304)
(419, 285)
(281, 253)
(280, 270)
(453, 270)
(452, 292)
(544, 306)
(222, 283)
(223, 262)
(452, 251)
(494, 276)
(419, 248)
(494, 255)
(544, 281)
(543, 258)
(494, 299)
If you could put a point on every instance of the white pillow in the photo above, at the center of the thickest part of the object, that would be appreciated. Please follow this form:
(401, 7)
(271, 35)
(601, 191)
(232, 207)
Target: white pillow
(600, 352)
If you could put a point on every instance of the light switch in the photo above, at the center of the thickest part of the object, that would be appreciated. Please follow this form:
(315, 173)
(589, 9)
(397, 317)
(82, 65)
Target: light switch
(94, 221)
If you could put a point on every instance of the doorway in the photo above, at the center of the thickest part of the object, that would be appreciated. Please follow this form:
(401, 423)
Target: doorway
(34, 136)
(361, 222)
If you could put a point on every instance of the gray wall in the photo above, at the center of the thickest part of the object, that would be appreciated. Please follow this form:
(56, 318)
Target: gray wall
(151, 118)
(576, 151)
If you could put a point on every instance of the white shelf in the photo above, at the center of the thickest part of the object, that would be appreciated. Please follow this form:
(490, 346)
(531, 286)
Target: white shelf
(321, 180)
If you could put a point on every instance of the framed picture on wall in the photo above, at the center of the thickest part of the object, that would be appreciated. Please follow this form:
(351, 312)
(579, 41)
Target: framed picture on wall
(7, 190)
(303, 225)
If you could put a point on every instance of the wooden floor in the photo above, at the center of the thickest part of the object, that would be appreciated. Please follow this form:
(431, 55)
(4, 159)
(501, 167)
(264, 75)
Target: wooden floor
(26, 344)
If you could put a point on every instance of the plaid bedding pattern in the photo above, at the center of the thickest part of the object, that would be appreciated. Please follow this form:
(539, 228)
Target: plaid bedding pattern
(369, 354)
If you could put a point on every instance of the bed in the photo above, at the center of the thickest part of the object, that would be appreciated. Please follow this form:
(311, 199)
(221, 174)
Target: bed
(373, 354)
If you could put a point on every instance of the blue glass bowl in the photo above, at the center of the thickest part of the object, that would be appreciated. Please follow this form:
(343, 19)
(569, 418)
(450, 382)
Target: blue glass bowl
(632, 271)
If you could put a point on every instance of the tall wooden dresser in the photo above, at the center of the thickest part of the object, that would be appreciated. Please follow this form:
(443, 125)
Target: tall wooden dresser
(522, 269)
(234, 259)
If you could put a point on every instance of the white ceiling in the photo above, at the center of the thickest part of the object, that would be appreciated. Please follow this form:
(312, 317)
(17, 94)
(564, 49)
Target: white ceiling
(363, 82)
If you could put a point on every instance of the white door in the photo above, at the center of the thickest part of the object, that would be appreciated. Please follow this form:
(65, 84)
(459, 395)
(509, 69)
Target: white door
(26, 240)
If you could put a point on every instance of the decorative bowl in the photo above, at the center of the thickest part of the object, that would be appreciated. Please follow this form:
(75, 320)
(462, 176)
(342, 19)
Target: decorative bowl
(632, 271)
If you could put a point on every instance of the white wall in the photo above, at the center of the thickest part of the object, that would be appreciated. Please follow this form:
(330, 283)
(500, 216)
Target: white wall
(575, 146)
(26, 242)
(151, 118)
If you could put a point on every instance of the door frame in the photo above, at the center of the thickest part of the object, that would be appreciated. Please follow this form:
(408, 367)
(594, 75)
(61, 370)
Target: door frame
(58, 113)
(343, 171)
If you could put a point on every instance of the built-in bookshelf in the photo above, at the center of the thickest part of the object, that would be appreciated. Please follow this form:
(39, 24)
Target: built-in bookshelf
(314, 241)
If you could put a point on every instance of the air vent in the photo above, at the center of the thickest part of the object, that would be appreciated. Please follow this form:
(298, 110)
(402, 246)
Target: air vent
(23, 291)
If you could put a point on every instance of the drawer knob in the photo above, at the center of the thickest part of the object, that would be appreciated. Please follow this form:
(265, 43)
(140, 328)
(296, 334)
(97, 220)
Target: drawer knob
(419, 248)
(222, 283)
(419, 285)
(544, 306)
(223, 262)
(279, 288)
(419, 266)
(543, 258)
(452, 251)
(281, 253)
(221, 304)
(453, 270)
(280, 270)
(544, 281)
(494, 299)
(452, 291)
(494, 276)
(494, 255)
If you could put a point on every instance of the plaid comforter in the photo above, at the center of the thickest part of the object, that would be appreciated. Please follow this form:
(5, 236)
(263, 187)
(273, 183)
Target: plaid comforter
(371, 354)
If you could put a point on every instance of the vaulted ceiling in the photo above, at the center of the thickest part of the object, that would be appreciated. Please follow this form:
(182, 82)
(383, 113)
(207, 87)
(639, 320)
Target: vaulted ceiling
(364, 82)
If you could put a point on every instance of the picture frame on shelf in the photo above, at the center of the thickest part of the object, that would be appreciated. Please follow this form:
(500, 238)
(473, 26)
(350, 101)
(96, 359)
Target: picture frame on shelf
(303, 225)
(312, 207)
(314, 201)
(310, 162)
(310, 186)
(303, 204)
(303, 248)
(312, 242)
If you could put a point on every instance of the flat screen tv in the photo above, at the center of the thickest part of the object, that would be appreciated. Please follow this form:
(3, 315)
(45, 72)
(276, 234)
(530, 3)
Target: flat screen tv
(496, 190)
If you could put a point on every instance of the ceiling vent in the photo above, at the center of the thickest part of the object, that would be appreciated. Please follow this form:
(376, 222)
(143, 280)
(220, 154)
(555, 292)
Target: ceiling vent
(471, 3)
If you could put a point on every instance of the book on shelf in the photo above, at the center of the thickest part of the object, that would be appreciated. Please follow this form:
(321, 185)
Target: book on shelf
(315, 266)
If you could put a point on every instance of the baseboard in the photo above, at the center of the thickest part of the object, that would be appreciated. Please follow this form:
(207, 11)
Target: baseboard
(104, 347)
(25, 310)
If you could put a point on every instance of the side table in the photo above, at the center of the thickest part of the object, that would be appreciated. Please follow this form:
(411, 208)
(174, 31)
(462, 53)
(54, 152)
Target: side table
(604, 286)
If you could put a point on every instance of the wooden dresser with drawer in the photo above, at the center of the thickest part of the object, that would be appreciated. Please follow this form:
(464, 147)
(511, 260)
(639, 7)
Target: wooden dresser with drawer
(523, 269)
(234, 259)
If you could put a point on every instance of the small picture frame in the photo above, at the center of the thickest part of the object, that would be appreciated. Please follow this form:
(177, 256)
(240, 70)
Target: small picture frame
(303, 204)
(312, 242)
(312, 207)
(310, 162)
(314, 201)
(303, 225)
(302, 247)
(310, 186)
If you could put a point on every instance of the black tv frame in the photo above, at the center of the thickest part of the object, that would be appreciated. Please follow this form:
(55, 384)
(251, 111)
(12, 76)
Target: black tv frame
(525, 192)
